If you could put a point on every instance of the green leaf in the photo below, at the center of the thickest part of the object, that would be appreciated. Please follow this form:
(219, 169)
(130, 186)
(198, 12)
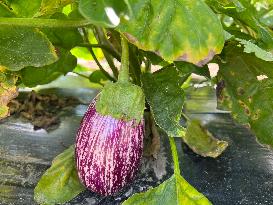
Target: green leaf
(250, 47)
(5, 11)
(166, 98)
(175, 190)
(176, 30)
(248, 17)
(63, 37)
(98, 77)
(36, 8)
(8, 91)
(267, 19)
(127, 101)
(60, 183)
(188, 68)
(154, 58)
(25, 8)
(49, 7)
(250, 99)
(32, 76)
(21, 47)
(201, 141)
(105, 13)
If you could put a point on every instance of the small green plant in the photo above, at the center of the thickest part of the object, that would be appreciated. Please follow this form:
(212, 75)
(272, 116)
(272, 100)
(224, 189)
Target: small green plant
(40, 40)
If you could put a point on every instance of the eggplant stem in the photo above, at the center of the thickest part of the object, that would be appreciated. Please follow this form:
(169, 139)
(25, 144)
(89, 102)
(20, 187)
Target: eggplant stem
(124, 71)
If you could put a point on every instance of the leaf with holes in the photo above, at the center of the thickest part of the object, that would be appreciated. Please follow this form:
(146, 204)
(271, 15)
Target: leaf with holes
(175, 29)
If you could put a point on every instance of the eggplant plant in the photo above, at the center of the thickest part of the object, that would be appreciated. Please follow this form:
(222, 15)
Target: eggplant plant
(41, 41)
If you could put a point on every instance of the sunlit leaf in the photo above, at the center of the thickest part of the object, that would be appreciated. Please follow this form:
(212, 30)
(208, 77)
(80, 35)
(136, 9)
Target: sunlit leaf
(176, 30)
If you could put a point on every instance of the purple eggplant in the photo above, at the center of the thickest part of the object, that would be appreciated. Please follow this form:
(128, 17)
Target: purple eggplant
(108, 151)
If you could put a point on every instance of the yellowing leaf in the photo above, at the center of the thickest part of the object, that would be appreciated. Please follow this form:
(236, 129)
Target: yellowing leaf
(201, 141)
(8, 91)
(174, 191)
(250, 100)
(184, 30)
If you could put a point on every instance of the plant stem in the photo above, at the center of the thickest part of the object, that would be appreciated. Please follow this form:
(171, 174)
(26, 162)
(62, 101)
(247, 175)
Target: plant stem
(43, 23)
(185, 116)
(103, 47)
(135, 65)
(175, 155)
(101, 38)
(104, 40)
(81, 75)
(90, 49)
(100, 66)
(124, 71)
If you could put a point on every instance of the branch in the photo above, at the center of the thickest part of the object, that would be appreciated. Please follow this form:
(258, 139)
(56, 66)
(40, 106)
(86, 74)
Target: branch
(43, 23)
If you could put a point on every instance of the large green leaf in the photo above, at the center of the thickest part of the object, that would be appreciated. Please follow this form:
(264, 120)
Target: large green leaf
(173, 191)
(32, 76)
(105, 13)
(60, 183)
(201, 141)
(21, 47)
(8, 91)
(249, 99)
(166, 98)
(185, 30)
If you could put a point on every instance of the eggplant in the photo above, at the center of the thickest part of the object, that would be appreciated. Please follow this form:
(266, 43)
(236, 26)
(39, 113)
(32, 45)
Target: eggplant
(108, 151)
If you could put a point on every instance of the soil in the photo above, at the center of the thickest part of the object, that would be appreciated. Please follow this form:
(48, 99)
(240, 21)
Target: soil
(42, 110)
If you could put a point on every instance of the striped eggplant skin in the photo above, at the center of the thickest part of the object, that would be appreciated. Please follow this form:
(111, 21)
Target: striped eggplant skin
(108, 151)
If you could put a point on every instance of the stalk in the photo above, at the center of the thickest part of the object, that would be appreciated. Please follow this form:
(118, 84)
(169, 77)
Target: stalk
(43, 23)
(124, 71)
(174, 155)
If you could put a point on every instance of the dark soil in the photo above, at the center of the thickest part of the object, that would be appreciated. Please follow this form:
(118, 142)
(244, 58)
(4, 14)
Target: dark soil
(42, 110)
